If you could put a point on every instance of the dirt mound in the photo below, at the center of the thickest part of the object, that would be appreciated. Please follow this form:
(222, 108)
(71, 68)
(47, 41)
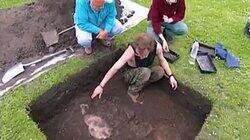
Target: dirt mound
(20, 29)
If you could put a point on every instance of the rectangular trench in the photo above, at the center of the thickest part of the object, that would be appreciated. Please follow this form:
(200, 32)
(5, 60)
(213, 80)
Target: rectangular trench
(66, 112)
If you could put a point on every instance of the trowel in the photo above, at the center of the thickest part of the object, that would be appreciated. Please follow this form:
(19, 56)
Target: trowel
(20, 67)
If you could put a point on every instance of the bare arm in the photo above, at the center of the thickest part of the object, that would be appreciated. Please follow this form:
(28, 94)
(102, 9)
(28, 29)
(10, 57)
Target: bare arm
(163, 61)
(164, 43)
(165, 66)
(128, 54)
(122, 60)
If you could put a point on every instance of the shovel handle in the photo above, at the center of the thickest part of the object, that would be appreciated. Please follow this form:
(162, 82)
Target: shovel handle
(63, 31)
(48, 57)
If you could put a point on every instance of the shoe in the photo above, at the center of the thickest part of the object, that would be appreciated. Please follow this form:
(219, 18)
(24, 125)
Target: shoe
(106, 43)
(134, 97)
(88, 50)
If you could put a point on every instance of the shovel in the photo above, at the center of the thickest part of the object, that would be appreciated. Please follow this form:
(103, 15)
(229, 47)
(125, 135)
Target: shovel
(20, 67)
(52, 37)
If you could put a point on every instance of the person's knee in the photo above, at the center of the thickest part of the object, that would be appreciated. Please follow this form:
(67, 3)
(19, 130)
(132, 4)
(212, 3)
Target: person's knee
(181, 29)
(84, 38)
(151, 33)
(117, 29)
(157, 72)
(145, 74)
(84, 41)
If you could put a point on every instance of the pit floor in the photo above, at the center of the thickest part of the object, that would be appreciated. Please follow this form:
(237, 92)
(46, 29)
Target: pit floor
(158, 118)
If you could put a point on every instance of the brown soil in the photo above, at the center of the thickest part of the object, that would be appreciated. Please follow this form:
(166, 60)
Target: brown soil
(20, 29)
(164, 115)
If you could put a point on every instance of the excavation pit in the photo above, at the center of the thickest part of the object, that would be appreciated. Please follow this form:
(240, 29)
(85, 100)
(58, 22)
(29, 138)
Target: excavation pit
(66, 111)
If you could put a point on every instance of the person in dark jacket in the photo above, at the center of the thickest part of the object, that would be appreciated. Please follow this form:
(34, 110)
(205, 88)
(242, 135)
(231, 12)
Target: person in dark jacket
(168, 14)
(137, 63)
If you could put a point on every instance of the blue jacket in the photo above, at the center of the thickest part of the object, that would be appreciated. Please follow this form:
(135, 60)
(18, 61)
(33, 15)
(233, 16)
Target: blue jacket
(89, 20)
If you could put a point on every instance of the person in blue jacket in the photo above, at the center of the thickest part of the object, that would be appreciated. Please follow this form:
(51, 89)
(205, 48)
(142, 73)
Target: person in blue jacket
(95, 18)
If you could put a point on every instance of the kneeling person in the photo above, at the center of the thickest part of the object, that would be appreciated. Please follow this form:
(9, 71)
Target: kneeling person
(168, 14)
(137, 61)
(95, 18)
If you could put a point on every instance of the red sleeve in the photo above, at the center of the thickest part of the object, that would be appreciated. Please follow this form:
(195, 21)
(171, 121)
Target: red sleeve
(180, 13)
(155, 17)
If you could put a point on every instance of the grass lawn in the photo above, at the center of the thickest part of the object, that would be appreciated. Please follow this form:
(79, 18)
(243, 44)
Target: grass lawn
(13, 3)
(229, 90)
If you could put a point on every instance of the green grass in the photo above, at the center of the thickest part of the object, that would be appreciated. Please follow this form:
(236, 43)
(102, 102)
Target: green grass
(229, 90)
(14, 119)
(13, 3)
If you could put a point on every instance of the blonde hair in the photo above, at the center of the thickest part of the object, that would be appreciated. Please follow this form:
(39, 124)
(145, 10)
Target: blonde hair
(144, 41)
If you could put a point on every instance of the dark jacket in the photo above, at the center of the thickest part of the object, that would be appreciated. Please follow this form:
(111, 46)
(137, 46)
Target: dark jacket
(161, 7)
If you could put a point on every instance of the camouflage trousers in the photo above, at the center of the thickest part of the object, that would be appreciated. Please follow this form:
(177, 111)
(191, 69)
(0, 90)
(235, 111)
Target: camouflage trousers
(138, 78)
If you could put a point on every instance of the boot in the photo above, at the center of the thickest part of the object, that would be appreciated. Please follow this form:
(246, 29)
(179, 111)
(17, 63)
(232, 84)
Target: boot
(88, 50)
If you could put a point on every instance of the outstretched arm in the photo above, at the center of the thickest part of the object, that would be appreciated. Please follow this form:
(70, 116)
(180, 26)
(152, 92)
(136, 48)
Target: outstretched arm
(165, 66)
(112, 71)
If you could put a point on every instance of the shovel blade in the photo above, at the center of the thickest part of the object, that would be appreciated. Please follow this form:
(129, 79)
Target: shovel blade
(13, 72)
(50, 37)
